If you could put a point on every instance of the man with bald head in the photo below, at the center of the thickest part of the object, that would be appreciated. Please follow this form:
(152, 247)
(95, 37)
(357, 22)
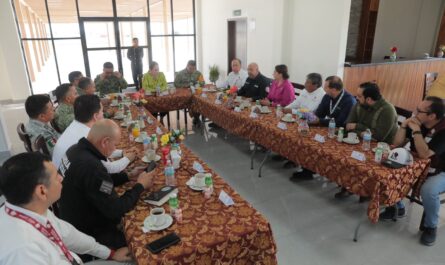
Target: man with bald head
(88, 199)
(255, 85)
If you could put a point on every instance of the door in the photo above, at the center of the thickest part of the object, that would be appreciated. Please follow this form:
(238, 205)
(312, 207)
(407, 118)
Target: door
(108, 40)
(237, 42)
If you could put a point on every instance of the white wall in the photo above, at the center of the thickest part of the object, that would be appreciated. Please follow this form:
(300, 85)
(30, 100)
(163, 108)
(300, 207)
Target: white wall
(410, 25)
(307, 35)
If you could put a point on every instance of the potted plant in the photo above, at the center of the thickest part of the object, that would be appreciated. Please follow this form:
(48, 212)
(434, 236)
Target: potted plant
(214, 73)
(393, 56)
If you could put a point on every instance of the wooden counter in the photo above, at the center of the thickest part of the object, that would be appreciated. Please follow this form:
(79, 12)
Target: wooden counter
(401, 83)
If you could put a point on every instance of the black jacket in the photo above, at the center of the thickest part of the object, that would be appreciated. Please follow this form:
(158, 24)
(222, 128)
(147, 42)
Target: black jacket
(255, 88)
(88, 199)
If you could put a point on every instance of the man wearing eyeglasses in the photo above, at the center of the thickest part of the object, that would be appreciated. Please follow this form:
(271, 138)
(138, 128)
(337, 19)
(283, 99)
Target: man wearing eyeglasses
(426, 133)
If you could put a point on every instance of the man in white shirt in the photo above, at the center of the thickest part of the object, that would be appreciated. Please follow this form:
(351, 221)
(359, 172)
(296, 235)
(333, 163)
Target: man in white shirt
(87, 110)
(237, 77)
(30, 233)
(310, 97)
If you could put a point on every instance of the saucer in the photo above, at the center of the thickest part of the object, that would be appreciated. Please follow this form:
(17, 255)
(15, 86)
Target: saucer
(114, 105)
(119, 117)
(191, 184)
(349, 141)
(285, 120)
(265, 111)
(138, 140)
(168, 221)
(144, 159)
(123, 124)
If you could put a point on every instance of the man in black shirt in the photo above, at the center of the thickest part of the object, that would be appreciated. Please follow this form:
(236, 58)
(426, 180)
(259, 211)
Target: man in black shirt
(88, 200)
(255, 85)
(426, 133)
(135, 54)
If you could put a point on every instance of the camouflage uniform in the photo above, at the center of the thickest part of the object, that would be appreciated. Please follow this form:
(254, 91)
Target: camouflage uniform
(64, 116)
(79, 91)
(109, 85)
(184, 78)
(35, 128)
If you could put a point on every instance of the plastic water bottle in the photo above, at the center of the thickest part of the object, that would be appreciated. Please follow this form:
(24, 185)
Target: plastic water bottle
(367, 140)
(331, 129)
(169, 173)
(208, 189)
(158, 90)
(279, 111)
(146, 143)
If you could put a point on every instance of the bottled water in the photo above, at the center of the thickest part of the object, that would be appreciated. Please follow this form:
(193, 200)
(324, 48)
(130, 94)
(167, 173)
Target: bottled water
(331, 129)
(169, 173)
(208, 189)
(279, 111)
(367, 140)
(303, 127)
(146, 143)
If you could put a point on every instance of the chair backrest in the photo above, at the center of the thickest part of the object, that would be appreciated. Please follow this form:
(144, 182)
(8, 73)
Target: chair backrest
(39, 145)
(298, 88)
(21, 131)
(428, 82)
(402, 114)
(55, 126)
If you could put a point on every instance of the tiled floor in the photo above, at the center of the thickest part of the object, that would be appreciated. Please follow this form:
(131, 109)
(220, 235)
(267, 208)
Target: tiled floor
(309, 225)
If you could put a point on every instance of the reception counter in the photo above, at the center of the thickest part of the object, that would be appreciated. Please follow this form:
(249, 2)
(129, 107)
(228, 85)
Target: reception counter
(401, 82)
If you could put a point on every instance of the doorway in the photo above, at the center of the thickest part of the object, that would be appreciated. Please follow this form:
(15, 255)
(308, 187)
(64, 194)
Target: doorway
(237, 42)
(108, 40)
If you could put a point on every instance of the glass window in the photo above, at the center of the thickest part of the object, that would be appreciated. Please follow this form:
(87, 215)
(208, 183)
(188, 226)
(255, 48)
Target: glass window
(160, 17)
(134, 8)
(98, 58)
(133, 29)
(64, 22)
(96, 8)
(41, 66)
(126, 64)
(184, 51)
(69, 57)
(183, 16)
(162, 50)
(32, 19)
(99, 34)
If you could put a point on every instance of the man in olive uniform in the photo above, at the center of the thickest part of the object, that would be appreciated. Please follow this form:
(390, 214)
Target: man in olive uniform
(74, 78)
(41, 111)
(135, 54)
(109, 81)
(188, 76)
(66, 94)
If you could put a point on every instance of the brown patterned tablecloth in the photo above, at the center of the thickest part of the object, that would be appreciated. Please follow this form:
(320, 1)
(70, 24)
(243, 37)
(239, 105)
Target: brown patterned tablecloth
(181, 99)
(210, 232)
(331, 159)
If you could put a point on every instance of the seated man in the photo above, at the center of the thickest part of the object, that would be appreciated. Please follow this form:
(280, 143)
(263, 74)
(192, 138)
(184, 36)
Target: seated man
(74, 78)
(31, 234)
(87, 110)
(236, 78)
(188, 76)
(86, 86)
(40, 110)
(89, 201)
(310, 97)
(337, 103)
(426, 133)
(255, 85)
(65, 94)
(110, 81)
(373, 113)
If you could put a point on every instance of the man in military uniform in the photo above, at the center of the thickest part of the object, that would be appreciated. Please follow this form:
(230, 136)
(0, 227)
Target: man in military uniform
(188, 76)
(109, 81)
(74, 78)
(41, 111)
(66, 94)
(135, 54)
(89, 201)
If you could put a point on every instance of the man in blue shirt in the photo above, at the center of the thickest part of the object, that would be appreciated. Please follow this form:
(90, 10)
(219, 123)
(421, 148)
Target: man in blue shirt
(337, 103)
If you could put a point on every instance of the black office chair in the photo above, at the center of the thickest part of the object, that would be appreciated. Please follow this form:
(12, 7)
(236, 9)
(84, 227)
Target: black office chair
(21, 131)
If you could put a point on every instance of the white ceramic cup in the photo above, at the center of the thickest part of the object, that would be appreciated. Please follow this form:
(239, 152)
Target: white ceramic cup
(114, 102)
(157, 217)
(288, 116)
(200, 179)
(352, 136)
(383, 145)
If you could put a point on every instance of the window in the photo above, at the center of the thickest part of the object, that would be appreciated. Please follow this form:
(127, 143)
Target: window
(60, 36)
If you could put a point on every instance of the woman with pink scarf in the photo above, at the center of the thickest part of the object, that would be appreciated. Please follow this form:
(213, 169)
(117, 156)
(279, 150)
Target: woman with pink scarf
(281, 90)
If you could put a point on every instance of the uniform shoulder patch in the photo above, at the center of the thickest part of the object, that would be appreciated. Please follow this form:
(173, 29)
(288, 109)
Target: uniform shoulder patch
(106, 187)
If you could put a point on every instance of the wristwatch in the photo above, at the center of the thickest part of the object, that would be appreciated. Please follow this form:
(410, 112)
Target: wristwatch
(416, 132)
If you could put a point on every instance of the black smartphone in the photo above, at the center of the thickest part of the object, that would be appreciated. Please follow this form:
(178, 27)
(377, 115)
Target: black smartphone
(163, 242)
(151, 166)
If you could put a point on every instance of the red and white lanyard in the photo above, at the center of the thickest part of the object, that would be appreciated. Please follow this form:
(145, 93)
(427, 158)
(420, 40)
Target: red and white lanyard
(47, 231)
